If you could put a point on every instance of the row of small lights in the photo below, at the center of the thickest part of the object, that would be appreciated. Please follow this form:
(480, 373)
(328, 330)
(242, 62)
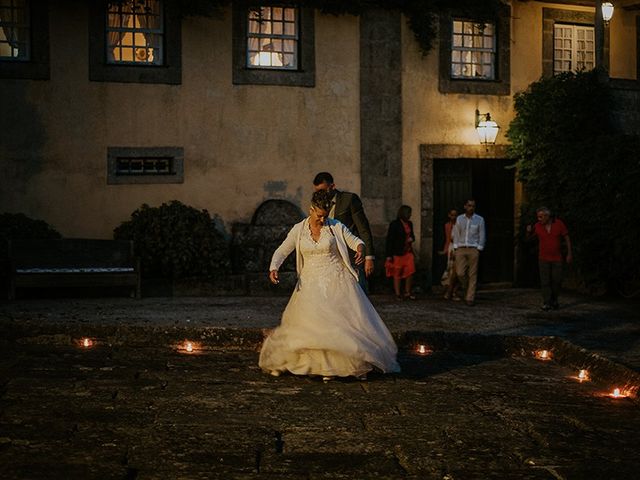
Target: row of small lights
(185, 347)
(545, 355)
(421, 349)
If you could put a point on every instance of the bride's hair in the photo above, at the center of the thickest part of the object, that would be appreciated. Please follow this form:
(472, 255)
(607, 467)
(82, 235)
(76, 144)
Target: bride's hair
(322, 200)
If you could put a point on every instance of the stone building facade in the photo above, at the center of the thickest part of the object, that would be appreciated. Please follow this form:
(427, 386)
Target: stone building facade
(106, 107)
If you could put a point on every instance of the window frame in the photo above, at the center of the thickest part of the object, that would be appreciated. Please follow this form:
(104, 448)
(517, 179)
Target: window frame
(138, 30)
(36, 67)
(501, 83)
(176, 154)
(100, 70)
(574, 46)
(551, 16)
(303, 76)
(282, 37)
(480, 50)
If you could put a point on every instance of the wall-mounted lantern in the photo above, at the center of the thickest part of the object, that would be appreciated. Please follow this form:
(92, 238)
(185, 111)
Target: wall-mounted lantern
(487, 129)
(607, 12)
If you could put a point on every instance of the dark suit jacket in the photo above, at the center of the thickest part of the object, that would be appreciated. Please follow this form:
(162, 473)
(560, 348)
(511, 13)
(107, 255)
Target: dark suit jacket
(349, 211)
(396, 238)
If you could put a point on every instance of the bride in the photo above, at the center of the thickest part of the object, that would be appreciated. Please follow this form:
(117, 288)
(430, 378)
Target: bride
(329, 327)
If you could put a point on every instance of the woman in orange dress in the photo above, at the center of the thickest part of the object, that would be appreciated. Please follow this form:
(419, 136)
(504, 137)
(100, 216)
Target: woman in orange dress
(399, 251)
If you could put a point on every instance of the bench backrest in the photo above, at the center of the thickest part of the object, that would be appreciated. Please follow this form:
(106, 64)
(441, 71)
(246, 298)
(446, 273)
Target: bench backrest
(70, 252)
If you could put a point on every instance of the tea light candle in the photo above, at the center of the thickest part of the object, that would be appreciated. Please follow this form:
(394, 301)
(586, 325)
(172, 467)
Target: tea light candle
(423, 350)
(543, 355)
(617, 393)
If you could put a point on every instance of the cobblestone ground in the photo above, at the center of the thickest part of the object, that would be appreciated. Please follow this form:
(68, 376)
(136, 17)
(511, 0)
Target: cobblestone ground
(610, 328)
(153, 413)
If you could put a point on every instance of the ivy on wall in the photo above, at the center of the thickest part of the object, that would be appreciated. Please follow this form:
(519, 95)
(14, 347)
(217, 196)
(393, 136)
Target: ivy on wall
(571, 159)
(422, 15)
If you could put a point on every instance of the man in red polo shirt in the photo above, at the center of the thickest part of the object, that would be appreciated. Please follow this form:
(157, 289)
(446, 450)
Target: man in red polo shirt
(550, 233)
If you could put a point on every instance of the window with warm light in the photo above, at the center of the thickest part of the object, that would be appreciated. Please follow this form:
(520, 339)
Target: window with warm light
(273, 43)
(135, 32)
(14, 30)
(573, 48)
(272, 37)
(473, 50)
(135, 41)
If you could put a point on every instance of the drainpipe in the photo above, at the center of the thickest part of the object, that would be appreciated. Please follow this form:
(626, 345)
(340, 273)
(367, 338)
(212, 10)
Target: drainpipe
(599, 42)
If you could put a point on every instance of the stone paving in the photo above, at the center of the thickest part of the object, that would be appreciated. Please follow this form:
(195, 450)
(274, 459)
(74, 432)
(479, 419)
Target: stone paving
(134, 407)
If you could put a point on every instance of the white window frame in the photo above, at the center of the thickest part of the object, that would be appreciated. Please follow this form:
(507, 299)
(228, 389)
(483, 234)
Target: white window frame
(141, 52)
(271, 45)
(473, 51)
(12, 24)
(570, 52)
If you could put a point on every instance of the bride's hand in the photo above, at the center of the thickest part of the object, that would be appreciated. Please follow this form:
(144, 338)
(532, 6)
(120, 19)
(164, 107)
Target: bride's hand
(359, 258)
(273, 276)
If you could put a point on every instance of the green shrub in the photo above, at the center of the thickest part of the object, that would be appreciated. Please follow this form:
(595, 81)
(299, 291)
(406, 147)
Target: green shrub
(571, 159)
(15, 226)
(176, 241)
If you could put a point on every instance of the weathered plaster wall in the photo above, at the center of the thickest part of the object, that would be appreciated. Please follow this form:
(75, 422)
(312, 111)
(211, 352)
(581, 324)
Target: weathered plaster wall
(623, 45)
(431, 117)
(242, 144)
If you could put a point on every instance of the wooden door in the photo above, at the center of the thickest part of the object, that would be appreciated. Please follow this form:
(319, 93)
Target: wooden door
(491, 184)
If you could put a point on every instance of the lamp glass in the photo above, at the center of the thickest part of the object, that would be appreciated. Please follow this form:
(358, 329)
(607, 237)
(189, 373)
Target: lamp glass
(487, 131)
(607, 11)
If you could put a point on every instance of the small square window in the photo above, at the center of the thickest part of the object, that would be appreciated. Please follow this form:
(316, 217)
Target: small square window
(131, 165)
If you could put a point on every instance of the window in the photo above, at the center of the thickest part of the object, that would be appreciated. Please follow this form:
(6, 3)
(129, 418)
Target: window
(136, 41)
(473, 50)
(573, 48)
(568, 41)
(273, 44)
(135, 32)
(475, 53)
(24, 39)
(14, 30)
(272, 38)
(126, 165)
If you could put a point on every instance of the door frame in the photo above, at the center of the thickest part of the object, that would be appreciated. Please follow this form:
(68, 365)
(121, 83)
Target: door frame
(430, 152)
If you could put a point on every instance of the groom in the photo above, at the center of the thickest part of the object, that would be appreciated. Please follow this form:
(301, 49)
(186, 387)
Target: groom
(347, 208)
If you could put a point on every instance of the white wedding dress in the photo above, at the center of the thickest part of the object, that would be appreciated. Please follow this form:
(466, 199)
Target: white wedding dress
(329, 327)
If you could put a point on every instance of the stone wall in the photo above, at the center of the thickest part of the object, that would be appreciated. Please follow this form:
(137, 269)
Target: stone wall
(626, 106)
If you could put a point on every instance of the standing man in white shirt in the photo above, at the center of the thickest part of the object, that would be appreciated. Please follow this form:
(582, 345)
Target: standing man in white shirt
(468, 241)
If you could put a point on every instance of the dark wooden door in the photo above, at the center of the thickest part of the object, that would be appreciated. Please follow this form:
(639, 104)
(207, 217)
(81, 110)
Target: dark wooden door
(491, 184)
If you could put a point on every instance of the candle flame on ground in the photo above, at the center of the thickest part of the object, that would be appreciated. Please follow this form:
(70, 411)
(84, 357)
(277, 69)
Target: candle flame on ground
(543, 355)
(617, 393)
(86, 342)
(583, 375)
(423, 349)
(189, 346)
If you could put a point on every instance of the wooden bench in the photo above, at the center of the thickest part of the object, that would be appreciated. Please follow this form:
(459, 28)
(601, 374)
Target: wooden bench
(73, 262)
